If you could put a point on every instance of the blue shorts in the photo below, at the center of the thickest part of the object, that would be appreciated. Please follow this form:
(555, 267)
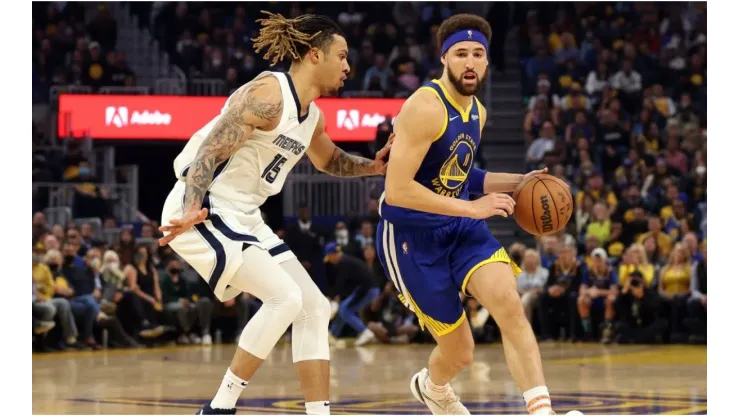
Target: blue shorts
(431, 266)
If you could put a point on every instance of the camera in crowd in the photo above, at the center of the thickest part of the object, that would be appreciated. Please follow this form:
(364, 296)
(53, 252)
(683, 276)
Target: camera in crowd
(636, 279)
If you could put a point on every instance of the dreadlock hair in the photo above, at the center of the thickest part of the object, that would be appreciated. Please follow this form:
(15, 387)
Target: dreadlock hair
(294, 37)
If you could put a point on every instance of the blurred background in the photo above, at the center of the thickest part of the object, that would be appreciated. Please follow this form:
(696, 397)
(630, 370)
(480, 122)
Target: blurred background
(611, 97)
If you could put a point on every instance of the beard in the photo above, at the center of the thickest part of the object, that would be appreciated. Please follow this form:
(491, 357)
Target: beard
(466, 90)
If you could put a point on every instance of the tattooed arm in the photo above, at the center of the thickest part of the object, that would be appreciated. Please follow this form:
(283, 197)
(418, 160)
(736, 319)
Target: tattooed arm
(330, 159)
(258, 106)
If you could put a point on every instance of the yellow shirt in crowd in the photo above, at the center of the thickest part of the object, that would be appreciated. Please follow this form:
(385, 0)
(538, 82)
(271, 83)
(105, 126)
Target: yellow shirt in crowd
(665, 242)
(676, 279)
(44, 281)
(647, 270)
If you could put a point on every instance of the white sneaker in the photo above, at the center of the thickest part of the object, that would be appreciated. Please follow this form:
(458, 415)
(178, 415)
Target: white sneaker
(365, 337)
(195, 339)
(207, 340)
(448, 404)
(183, 339)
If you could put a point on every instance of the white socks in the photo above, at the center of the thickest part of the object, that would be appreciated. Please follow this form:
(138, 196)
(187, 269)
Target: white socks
(434, 390)
(317, 408)
(538, 401)
(229, 391)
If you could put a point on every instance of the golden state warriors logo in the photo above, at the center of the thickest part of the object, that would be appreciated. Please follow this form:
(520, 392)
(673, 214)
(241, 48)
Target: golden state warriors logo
(455, 169)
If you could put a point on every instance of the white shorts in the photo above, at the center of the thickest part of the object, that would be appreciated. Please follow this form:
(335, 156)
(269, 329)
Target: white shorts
(214, 247)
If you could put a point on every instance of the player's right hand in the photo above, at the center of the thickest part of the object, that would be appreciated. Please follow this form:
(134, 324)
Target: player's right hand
(493, 204)
(177, 227)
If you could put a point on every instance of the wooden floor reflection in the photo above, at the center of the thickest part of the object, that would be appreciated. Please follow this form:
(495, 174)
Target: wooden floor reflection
(594, 379)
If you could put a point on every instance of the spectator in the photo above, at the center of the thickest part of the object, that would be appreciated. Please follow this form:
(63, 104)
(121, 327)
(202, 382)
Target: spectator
(638, 309)
(686, 117)
(46, 289)
(545, 143)
(126, 247)
(143, 281)
(84, 293)
(613, 140)
(575, 100)
(664, 105)
(389, 320)
(675, 287)
(544, 93)
(352, 272)
(692, 245)
(536, 118)
(595, 187)
(541, 62)
(43, 315)
(39, 226)
(597, 81)
(379, 76)
(597, 293)
(548, 251)
(636, 259)
(531, 281)
(341, 234)
(561, 290)
(600, 225)
(177, 301)
(363, 239)
(304, 238)
(583, 215)
(663, 241)
(581, 129)
(569, 51)
(675, 158)
(629, 85)
(697, 305)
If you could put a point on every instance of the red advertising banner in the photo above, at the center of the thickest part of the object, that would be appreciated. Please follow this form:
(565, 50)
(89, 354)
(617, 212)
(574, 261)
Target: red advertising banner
(148, 117)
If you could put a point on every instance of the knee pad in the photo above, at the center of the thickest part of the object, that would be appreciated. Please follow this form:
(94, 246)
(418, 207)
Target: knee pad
(311, 330)
(270, 322)
(311, 326)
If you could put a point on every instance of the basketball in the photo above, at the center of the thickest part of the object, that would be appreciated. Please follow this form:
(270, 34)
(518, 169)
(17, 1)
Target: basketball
(543, 205)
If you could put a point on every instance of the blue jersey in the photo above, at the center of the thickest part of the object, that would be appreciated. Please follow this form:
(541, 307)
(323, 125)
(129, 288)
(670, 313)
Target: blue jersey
(446, 165)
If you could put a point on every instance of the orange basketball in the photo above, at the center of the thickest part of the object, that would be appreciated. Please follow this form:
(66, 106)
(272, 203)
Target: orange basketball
(543, 205)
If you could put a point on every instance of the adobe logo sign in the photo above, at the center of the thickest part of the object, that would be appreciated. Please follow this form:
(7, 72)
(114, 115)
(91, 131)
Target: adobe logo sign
(138, 117)
(118, 116)
(357, 119)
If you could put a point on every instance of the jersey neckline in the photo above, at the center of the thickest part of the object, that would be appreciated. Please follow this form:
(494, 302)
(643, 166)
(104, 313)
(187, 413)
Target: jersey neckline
(301, 118)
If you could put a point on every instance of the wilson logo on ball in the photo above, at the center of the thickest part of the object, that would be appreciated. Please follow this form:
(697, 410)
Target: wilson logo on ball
(546, 216)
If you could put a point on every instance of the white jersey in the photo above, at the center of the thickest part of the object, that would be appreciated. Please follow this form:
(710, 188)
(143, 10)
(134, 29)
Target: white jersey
(259, 168)
(240, 186)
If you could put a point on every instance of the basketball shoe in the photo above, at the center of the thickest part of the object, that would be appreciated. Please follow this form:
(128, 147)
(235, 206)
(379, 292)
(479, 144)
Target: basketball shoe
(446, 403)
(208, 410)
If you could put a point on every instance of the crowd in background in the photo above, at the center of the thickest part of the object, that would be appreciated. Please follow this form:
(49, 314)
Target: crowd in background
(391, 52)
(615, 105)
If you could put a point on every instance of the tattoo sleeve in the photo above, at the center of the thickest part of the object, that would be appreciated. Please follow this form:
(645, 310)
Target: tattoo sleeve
(224, 140)
(346, 165)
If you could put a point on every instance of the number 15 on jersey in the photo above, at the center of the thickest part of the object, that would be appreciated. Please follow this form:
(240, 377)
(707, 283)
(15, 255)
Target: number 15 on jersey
(273, 168)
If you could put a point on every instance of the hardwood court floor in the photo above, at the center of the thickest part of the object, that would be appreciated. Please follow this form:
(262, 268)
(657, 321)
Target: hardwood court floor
(371, 380)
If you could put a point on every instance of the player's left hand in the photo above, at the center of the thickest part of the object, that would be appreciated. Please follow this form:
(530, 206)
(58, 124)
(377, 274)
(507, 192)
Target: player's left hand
(381, 163)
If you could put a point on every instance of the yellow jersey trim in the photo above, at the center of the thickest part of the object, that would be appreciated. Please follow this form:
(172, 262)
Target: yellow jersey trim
(500, 256)
(439, 328)
(464, 113)
(446, 119)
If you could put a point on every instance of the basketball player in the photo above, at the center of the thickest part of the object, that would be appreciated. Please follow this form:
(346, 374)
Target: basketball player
(433, 241)
(226, 171)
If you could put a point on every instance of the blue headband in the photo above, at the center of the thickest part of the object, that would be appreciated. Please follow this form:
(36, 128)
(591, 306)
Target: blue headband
(463, 36)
